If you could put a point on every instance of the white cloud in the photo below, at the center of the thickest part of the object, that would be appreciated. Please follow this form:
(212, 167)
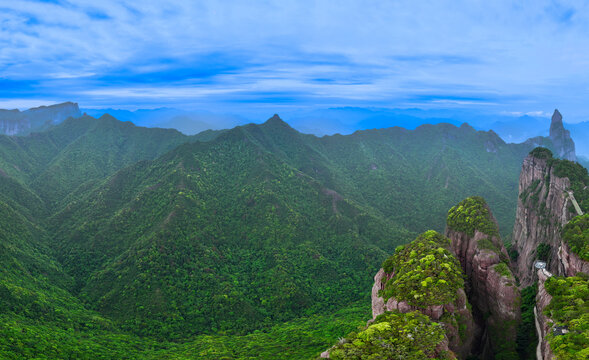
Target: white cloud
(157, 92)
(531, 52)
(64, 75)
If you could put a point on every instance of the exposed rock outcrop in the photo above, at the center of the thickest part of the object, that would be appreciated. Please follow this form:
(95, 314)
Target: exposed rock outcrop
(543, 208)
(571, 262)
(546, 213)
(429, 251)
(543, 322)
(491, 291)
(460, 336)
(490, 285)
(15, 122)
(561, 138)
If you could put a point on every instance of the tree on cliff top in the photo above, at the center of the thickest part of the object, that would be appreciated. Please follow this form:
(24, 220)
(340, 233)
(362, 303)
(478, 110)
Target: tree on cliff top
(472, 214)
(426, 272)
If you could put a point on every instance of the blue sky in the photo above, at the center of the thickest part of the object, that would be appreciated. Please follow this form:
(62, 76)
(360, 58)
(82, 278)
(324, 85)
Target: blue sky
(261, 57)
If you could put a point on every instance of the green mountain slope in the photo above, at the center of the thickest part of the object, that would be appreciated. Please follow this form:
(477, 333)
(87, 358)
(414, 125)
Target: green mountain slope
(218, 236)
(410, 177)
(104, 146)
(150, 234)
(264, 224)
(52, 164)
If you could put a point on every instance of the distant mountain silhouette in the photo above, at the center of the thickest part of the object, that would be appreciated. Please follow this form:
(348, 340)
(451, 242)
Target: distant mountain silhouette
(15, 122)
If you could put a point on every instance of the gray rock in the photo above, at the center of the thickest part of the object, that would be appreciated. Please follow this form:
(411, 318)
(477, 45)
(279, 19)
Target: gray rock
(542, 211)
(561, 138)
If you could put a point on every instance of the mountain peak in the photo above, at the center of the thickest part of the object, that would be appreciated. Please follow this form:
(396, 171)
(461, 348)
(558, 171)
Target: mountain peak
(561, 138)
(556, 118)
(275, 119)
(107, 117)
(275, 122)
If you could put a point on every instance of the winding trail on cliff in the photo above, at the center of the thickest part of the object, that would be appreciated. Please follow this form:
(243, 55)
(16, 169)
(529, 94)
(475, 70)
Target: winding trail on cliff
(538, 329)
(575, 204)
(539, 347)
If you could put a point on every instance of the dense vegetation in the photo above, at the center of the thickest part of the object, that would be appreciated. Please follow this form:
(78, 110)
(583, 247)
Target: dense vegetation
(541, 153)
(576, 235)
(425, 272)
(527, 339)
(97, 338)
(248, 237)
(542, 251)
(117, 240)
(392, 335)
(569, 308)
(472, 214)
(579, 179)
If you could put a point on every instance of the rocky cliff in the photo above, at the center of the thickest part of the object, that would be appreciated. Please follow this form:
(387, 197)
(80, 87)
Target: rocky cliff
(419, 307)
(15, 122)
(460, 328)
(481, 314)
(572, 264)
(550, 227)
(545, 205)
(425, 276)
(543, 323)
(561, 138)
(490, 285)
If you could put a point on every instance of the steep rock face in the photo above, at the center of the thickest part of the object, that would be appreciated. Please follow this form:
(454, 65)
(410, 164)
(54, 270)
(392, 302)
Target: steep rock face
(490, 285)
(561, 138)
(12, 122)
(543, 322)
(543, 208)
(15, 122)
(493, 294)
(571, 262)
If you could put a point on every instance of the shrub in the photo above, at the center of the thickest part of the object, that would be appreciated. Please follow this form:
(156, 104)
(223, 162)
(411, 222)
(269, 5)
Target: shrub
(576, 235)
(542, 251)
(503, 270)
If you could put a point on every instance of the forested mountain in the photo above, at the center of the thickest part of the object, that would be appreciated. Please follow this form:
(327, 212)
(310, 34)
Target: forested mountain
(126, 234)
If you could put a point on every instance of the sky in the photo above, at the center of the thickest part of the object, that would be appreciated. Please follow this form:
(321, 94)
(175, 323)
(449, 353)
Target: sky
(261, 57)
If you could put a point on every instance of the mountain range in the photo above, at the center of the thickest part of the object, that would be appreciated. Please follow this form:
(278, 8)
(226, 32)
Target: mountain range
(512, 128)
(120, 240)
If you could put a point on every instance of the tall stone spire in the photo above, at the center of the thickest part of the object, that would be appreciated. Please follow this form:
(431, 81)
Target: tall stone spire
(561, 138)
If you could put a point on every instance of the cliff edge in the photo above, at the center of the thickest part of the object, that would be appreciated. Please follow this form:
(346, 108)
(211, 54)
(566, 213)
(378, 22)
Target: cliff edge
(490, 284)
(15, 122)
(551, 193)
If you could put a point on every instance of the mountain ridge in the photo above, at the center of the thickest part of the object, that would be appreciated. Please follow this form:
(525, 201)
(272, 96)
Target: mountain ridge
(198, 235)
